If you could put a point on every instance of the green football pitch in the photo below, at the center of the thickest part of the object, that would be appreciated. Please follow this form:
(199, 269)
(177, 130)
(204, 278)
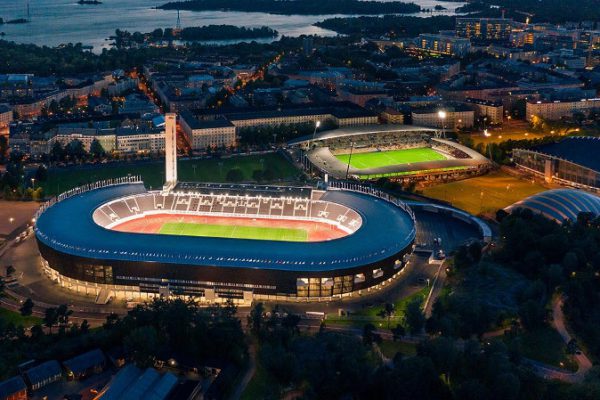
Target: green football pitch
(234, 231)
(393, 157)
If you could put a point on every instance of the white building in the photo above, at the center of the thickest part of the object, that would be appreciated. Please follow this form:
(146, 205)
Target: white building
(214, 133)
(555, 110)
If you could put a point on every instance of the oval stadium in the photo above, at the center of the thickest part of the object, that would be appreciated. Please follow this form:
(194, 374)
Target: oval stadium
(213, 241)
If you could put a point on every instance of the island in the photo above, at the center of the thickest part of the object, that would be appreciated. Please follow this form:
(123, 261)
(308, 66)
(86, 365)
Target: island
(292, 7)
(124, 39)
(89, 2)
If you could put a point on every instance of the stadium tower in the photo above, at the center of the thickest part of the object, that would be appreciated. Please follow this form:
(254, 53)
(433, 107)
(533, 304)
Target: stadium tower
(170, 151)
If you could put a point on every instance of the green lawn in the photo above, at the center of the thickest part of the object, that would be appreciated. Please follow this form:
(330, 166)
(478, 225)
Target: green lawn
(18, 319)
(390, 348)
(484, 194)
(205, 170)
(234, 231)
(394, 157)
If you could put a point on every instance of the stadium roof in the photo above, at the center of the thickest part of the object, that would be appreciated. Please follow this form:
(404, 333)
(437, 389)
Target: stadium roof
(560, 204)
(582, 150)
(370, 243)
(361, 130)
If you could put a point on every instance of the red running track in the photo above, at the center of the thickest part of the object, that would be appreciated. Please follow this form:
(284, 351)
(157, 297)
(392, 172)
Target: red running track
(317, 231)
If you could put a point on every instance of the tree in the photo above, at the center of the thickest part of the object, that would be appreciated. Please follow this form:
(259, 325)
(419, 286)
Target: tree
(41, 174)
(235, 175)
(75, 150)
(63, 314)
(255, 318)
(57, 153)
(398, 332)
(415, 320)
(96, 149)
(27, 308)
(142, 342)
(370, 335)
(85, 326)
(50, 318)
(387, 312)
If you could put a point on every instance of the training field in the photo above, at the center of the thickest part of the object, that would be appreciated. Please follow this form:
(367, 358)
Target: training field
(232, 227)
(379, 159)
(484, 194)
(234, 232)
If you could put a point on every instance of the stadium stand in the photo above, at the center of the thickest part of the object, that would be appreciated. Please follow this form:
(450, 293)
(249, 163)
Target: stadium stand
(242, 204)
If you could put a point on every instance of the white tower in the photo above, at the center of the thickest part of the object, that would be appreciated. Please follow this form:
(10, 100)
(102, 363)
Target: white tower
(170, 150)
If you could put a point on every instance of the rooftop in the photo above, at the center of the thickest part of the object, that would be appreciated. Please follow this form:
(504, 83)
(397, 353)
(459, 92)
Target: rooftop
(582, 150)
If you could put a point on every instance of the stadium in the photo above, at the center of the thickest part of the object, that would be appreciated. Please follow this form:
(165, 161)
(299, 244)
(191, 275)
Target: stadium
(571, 162)
(116, 239)
(398, 152)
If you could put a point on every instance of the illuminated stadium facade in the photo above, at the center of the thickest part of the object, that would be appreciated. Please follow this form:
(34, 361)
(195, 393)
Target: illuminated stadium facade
(100, 240)
(397, 152)
(571, 162)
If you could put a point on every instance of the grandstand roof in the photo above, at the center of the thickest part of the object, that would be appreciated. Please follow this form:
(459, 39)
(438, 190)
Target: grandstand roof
(361, 130)
(386, 230)
(560, 204)
(580, 150)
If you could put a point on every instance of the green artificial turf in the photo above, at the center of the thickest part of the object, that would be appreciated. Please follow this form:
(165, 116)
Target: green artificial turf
(234, 232)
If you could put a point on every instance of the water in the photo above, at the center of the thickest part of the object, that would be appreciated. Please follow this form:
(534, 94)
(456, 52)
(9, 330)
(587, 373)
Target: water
(54, 22)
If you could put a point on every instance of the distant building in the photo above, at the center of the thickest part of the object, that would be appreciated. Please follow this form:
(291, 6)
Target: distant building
(13, 389)
(140, 140)
(557, 109)
(443, 44)
(202, 134)
(457, 117)
(85, 364)
(392, 116)
(484, 29)
(43, 374)
(133, 383)
(6, 117)
(493, 111)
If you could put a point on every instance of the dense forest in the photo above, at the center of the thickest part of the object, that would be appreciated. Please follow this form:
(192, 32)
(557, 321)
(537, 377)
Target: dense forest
(304, 7)
(392, 25)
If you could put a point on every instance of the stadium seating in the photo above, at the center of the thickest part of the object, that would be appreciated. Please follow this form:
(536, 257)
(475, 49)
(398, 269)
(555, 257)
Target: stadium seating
(238, 204)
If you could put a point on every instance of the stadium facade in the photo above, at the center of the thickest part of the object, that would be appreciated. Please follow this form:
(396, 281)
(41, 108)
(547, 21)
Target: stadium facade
(571, 162)
(320, 153)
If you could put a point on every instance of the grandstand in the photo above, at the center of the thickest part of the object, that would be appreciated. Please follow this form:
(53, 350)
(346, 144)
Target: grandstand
(390, 151)
(250, 208)
(571, 162)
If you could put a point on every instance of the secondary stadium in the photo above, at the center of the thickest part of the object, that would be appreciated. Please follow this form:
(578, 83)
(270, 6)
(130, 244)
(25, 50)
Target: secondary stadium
(116, 239)
(570, 162)
(399, 152)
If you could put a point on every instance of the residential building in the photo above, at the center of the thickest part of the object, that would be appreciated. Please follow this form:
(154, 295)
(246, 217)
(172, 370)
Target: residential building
(443, 44)
(484, 29)
(456, 117)
(557, 109)
(492, 110)
(13, 389)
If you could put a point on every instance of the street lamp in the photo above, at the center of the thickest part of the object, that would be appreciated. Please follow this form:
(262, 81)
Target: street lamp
(33, 183)
(317, 125)
(442, 114)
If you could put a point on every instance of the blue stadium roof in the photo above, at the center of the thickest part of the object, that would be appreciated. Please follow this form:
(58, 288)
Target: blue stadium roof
(582, 150)
(69, 228)
(560, 204)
